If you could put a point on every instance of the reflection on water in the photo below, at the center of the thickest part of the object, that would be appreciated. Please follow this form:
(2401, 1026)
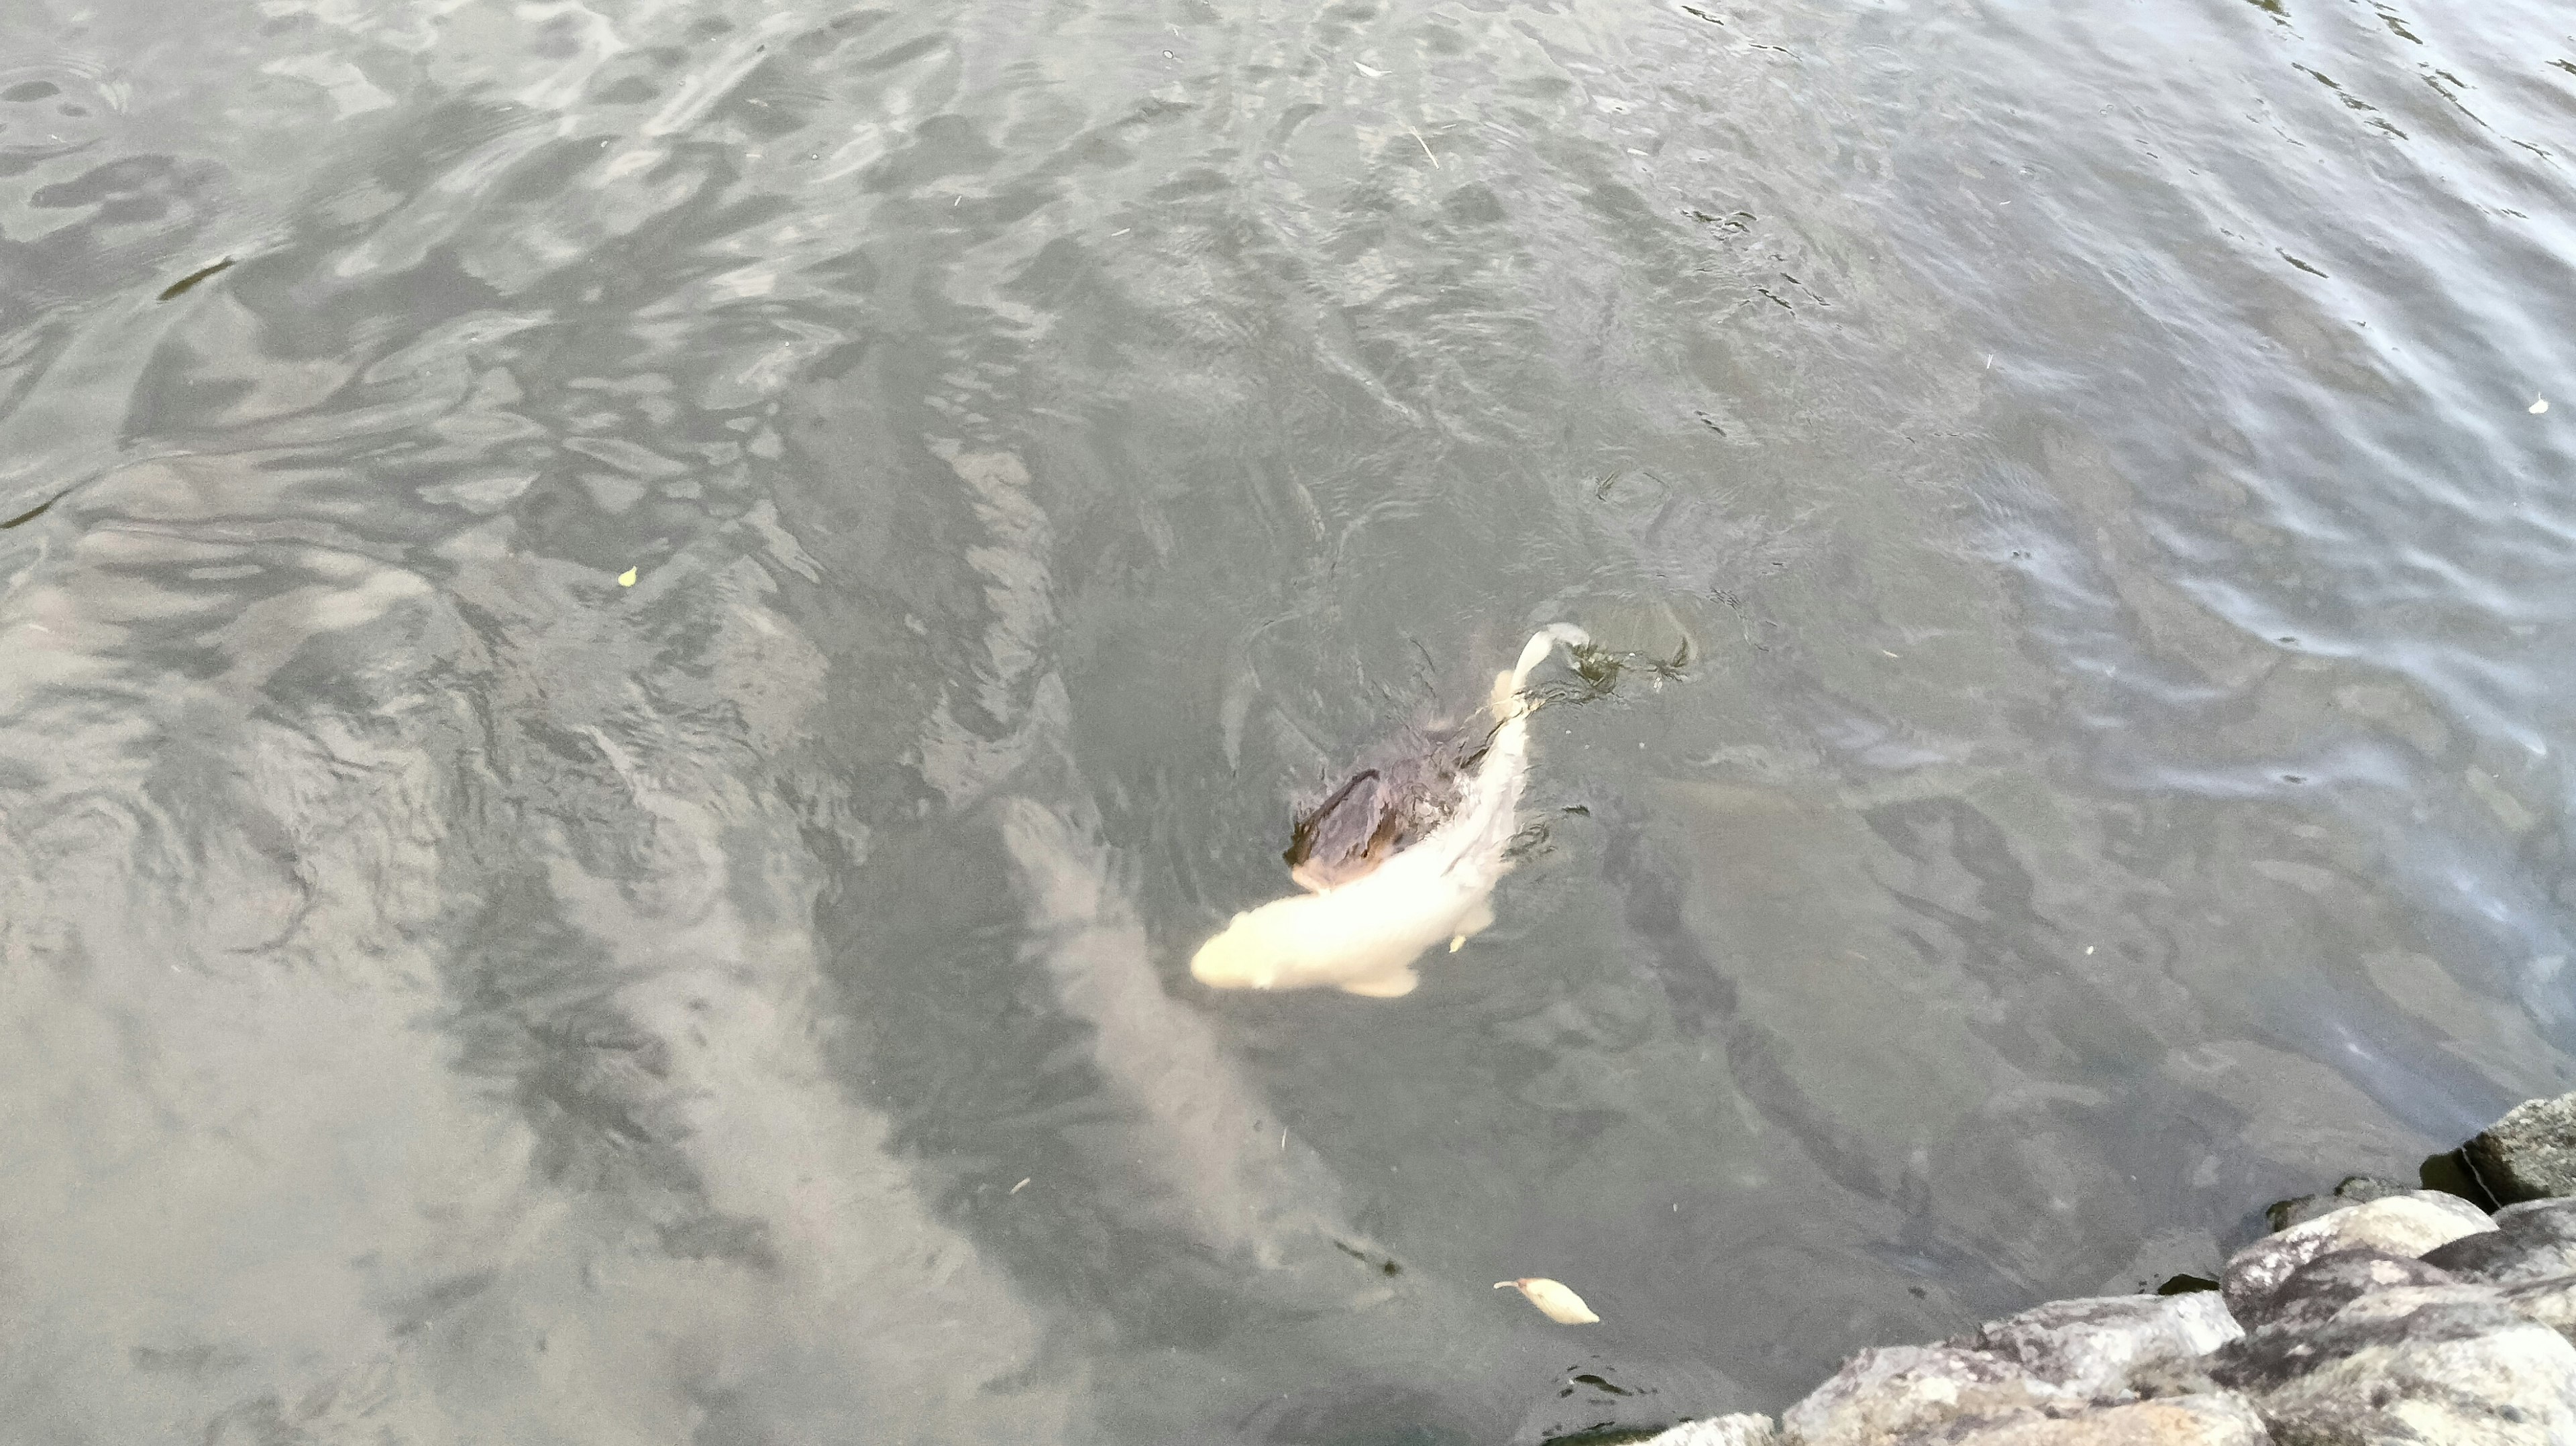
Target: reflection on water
(2088, 458)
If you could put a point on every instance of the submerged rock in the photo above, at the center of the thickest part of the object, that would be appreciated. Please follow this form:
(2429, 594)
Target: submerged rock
(1612, 1396)
(2530, 1154)
(2351, 1190)
(2402, 1225)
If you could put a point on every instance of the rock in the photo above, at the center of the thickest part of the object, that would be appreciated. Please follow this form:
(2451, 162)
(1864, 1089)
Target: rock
(2449, 1172)
(1721, 1431)
(2535, 1240)
(2087, 1348)
(2407, 1225)
(2317, 1290)
(2556, 1215)
(2353, 1190)
(2530, 1154)
(2434, 1363)
(1881, 1396)
(2550, 1302)
(2168, 1376)
(2219, 1419)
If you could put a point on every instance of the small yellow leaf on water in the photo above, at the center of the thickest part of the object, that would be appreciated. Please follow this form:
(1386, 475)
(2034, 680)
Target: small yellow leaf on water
(1552, 1299)
(626, 578)
(1457, 942)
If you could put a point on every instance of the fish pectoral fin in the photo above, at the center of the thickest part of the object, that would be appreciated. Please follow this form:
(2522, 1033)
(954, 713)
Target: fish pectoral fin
(1394, 985)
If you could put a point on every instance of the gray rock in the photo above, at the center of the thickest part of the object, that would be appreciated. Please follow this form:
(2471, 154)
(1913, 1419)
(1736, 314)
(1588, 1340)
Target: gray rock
(2435, 1363)
(2535, 1240)
(2317, 1290)
(2407, 1225)
(2550, 1302)
(2530, 1154)
(2218, 1419)
(2353, 1190)
(2166, 1376)
(2556, 1215)
(1880, 1396)
(1721, 1431)
(2088, 1348)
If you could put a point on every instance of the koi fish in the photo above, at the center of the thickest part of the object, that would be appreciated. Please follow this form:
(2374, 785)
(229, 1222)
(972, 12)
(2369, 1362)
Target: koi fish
(1363, 935)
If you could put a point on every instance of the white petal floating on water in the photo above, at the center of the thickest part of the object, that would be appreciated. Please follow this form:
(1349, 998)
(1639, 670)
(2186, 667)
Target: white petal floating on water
(2539, 405)
(1553, 1300)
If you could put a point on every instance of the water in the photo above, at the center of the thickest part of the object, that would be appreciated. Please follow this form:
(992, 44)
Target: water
(450, 996)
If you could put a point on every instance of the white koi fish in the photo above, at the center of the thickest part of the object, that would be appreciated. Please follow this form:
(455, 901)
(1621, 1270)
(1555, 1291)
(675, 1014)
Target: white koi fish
(1363, 936)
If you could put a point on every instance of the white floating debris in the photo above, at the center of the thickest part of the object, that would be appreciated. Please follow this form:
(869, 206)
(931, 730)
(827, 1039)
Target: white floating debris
(2539, 404)
(1552, 1299)
(626, 578)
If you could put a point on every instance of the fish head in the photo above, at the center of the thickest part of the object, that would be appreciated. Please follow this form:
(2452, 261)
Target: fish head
(1345, 836)
(1379, 812)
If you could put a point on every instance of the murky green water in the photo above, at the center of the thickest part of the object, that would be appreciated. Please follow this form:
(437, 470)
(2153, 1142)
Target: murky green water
(451, 996)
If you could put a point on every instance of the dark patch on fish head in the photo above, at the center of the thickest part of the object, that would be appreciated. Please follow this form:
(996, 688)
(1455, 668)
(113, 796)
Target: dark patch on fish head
(1331, 844)
(1409, 790)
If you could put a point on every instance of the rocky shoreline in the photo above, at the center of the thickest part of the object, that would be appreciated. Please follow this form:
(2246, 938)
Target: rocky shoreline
(2376, 1313)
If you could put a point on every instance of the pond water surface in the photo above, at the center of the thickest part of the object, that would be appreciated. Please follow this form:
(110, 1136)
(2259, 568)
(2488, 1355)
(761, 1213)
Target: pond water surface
(2085, 457)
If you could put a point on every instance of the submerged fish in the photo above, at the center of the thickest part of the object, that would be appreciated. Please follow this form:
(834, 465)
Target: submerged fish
(1362, 935)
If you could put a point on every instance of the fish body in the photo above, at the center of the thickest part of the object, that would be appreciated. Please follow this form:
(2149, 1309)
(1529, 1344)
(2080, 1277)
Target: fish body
(1363, 935)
